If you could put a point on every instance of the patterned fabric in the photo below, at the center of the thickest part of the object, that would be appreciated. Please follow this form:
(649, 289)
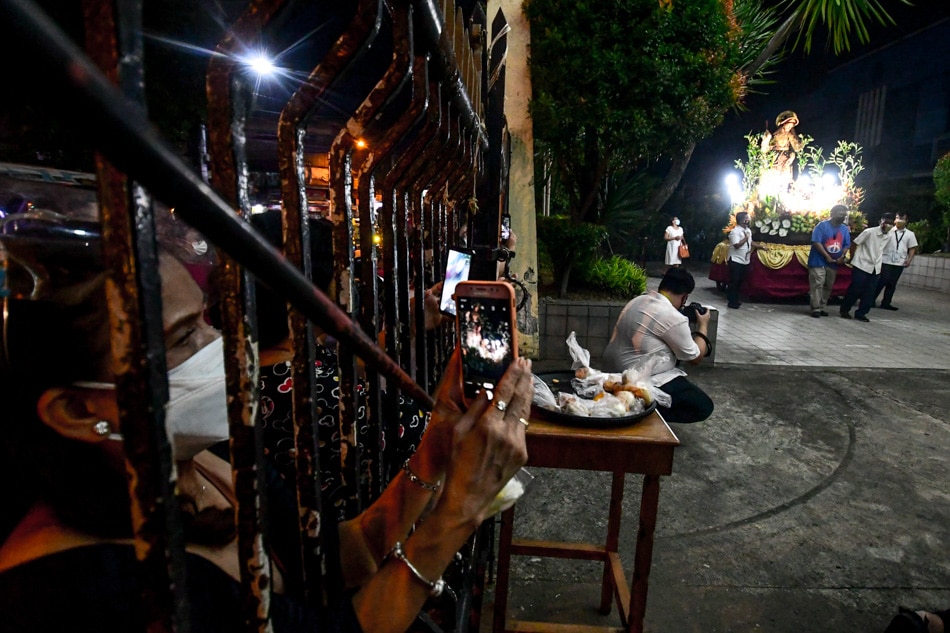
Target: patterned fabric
(400, 436)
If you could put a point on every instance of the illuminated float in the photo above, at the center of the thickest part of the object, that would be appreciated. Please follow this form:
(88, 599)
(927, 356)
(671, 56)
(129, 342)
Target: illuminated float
(788, 185)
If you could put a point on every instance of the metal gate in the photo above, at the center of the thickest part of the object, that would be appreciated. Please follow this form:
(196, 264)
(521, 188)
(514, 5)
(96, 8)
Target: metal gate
(397, 101)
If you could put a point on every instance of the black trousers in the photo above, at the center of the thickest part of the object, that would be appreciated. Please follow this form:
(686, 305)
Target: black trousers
(690, 403)
(888, 282)
(737, 273)
(862, 288)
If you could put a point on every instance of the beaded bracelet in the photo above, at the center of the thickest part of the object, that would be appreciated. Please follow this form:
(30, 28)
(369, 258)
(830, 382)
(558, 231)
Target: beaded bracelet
(435, 587)
(420, 482)
(706, 340)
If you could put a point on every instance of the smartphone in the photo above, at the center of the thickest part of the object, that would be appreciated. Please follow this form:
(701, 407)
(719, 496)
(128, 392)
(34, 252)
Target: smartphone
(458, 264)
(486, 334)
(505, 227)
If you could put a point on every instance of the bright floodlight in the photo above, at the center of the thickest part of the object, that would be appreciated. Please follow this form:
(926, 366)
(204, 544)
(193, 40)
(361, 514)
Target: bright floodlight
(735, 190)
(261, 64)
(828, 181)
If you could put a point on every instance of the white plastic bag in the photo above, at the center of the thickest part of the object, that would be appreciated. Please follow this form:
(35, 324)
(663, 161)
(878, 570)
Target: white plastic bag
(513, 490)
(639, 375)
(580, 355)
(543, 396)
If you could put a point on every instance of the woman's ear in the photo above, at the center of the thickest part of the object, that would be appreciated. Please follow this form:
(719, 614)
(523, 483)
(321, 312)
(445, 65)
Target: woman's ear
(73, 413)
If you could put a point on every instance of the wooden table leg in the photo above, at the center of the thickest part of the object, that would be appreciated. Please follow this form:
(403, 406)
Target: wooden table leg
(612, 544)
(504, 570)
(649, 503)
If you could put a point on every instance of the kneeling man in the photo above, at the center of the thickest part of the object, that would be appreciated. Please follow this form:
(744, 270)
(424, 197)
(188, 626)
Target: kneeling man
(652, 325)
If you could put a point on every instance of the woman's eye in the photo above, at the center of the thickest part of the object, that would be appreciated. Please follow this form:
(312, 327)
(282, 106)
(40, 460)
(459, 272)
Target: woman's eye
(185, 338)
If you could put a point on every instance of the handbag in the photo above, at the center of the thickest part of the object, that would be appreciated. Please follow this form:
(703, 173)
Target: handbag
(684, 250)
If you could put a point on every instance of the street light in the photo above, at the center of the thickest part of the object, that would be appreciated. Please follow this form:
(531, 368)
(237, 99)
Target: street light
(261, 64)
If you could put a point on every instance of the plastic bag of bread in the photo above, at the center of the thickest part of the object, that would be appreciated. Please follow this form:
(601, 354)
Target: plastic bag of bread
(587, 381)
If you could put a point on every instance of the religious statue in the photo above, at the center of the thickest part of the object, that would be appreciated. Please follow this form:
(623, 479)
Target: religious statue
(780, 148)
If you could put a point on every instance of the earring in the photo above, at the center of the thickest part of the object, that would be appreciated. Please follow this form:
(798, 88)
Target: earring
(102, 428)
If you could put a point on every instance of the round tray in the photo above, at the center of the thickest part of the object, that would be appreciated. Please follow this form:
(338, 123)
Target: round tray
(560, 381)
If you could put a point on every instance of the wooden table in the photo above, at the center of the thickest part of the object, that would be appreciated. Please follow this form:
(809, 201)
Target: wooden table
(645, 448)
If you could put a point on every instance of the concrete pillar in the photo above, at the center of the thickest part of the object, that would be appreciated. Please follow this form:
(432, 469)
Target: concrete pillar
(521, 182)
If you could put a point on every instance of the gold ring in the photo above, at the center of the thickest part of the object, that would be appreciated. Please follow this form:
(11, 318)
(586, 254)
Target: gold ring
(525, 422)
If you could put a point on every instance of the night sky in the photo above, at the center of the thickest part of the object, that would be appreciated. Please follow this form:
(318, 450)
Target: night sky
(797, 75)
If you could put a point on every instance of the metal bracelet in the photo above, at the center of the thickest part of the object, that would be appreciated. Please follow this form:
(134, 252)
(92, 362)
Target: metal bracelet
(435, 587)
(420, 482)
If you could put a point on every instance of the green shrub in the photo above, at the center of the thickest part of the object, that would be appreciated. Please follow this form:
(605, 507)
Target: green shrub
(569, 244)
(616, 276)
(929, 237)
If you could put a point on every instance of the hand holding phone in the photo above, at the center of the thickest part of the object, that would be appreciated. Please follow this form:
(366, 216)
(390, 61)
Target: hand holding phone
(457, 266)
(486, 334)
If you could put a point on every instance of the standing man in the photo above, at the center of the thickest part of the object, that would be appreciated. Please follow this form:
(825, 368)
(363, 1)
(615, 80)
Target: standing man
(740, 256)
(898, 254)
(866, 266)
(652, 327)
(830, 240)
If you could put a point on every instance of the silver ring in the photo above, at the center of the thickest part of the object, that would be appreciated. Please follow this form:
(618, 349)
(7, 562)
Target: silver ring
(501, 405)
(525, 422)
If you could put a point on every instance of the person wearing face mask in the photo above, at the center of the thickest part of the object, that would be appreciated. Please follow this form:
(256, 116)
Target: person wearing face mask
(867, 255)
(651, 329)
(67, 560)
(899, 252)
(740, 256)
(830, 240)
(674, 239)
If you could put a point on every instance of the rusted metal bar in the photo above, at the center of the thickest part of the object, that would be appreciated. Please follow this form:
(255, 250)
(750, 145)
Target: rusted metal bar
(137, 333)
(227, 114)
(302, 106)
(394, 227)
(396, 181)
(441, 40)
(389, 229)
(124, 135)
(370, 318)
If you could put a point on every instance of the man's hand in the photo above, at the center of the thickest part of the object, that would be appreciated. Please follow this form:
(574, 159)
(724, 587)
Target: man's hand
(702, 320)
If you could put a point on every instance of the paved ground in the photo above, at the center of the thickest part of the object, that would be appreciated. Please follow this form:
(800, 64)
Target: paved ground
(816, 498)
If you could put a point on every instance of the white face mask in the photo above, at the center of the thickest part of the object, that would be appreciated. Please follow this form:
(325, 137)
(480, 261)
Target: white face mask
(196, 416)
(676, 222)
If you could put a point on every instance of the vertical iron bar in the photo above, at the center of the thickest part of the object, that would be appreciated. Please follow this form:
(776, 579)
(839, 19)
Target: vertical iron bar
(137, 334)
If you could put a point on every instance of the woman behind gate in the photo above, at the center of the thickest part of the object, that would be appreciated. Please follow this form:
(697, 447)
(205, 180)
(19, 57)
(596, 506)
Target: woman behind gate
(67, 559)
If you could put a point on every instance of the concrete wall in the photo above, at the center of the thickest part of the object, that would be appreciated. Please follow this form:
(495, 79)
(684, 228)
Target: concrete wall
(928, 271)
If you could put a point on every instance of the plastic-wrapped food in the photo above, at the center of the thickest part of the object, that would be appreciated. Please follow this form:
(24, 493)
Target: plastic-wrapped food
(633, 404)
(609, 406)
(571, 404)
(543, 396)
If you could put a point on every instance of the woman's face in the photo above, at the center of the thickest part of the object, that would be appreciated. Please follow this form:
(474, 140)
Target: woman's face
(186, 331)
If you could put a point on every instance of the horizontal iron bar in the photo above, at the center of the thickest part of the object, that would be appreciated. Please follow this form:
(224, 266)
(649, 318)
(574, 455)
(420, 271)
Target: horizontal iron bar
(121, 131)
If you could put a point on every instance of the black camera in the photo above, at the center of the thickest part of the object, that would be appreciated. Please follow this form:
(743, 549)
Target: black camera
(485, 261)
(692, 311)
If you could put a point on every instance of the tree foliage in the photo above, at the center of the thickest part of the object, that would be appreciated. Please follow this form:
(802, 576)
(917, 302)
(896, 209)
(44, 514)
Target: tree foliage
(619, 83)
(568, 243)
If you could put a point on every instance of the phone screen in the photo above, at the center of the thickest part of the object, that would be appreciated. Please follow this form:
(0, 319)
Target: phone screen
(505, 227)
(486, 340)
(457, 266)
